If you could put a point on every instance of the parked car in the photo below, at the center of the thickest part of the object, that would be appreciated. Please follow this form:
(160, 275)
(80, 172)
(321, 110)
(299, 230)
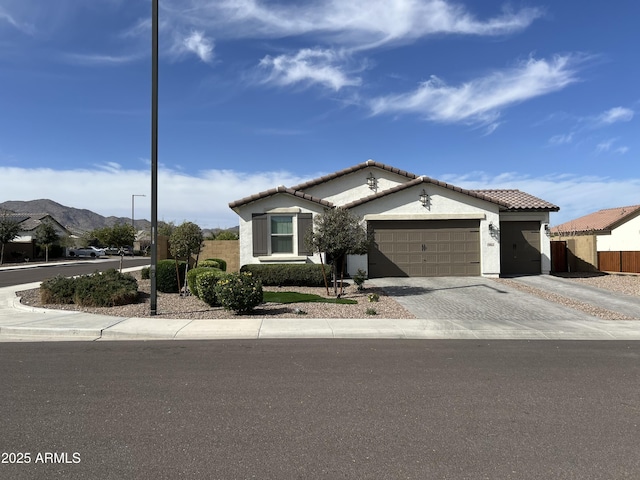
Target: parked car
(92, 252)
(128, 251)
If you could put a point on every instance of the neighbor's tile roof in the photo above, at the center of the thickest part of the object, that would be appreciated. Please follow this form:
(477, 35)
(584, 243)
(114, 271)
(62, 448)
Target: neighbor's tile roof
(27, 221)
(517, 200)
(280, 189)
(601, 221)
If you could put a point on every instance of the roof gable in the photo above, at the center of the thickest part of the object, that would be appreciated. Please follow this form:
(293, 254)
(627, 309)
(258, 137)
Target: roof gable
(507, 200)
(601, 221)
(275, 191)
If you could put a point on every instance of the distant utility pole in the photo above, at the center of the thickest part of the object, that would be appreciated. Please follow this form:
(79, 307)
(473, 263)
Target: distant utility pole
(154, 157)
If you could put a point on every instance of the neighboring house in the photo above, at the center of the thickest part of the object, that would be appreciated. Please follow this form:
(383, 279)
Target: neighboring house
(29, 223)
(421, 226)
(615, 229)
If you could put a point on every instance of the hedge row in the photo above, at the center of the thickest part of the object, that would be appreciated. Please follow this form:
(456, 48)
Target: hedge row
(288, 274)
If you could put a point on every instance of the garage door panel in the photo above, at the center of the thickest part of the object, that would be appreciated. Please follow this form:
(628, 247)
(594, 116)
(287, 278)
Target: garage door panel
(425, 248)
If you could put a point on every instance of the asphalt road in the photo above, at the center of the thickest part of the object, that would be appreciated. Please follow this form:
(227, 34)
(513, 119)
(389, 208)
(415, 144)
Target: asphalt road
(295, 409)
(41, 272)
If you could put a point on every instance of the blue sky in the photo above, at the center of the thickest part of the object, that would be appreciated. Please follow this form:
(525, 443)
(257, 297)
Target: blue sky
(253, 94)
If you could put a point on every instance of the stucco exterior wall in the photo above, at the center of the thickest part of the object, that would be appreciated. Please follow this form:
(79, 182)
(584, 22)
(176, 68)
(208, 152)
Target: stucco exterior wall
(353, 186)
(444, 204)
(284, 202)
(545, 238)
(624, 238)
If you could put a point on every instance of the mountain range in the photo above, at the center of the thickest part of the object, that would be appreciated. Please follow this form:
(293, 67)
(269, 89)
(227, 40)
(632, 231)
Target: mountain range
(79, 220)
(74, 219)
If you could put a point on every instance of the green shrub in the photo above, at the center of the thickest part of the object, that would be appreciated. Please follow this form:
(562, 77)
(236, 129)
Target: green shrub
(206, 281)
(192, 276)
(222, 264)
(145, 273)
(240, 292)
(107, 289)
(288, 274)
(58, 290)
(209, 264)
(359, 278)
(166, 280)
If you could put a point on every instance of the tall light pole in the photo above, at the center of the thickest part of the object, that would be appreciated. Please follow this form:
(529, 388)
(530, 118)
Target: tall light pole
(154, 157)
(133, 209)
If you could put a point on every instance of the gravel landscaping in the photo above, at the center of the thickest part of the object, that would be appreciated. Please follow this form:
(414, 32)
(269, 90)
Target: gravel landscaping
(175, 306)
(192, 308)
(626, 284)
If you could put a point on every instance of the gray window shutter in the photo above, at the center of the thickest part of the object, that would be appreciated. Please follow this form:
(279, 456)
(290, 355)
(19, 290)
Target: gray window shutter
(305, 222)
(260, 234)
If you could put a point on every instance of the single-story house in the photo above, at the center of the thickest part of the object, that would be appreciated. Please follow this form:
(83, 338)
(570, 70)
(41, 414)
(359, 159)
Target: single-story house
(615, 229)
(24, 244)
(421, 226)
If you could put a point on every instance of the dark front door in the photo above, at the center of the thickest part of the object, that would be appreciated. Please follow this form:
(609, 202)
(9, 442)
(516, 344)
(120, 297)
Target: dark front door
(520, 251)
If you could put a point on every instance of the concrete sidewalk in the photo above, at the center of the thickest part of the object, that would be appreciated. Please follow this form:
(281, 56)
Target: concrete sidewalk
(447, 308)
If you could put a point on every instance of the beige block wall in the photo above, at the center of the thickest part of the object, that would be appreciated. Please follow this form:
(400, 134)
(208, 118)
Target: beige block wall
(583, 256)
(228, 250)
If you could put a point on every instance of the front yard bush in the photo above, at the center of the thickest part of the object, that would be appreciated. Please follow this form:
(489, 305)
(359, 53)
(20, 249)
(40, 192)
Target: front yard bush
(222, 263)
(240, 292)
(192, 276)
(106, 289)
(166, 280)
(57, 290)
(288, 274)
(205, 285)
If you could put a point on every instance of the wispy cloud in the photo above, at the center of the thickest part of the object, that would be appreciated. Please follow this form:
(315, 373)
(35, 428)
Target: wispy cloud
(308, 66)
(197, 43)
(357, 23)
(614, 115)
(89, 59)
(481, 100)
(23, 27)
(608, 146)
(590, 123)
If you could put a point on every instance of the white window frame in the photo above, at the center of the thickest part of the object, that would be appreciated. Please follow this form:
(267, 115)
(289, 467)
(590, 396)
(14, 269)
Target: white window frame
(294, 234)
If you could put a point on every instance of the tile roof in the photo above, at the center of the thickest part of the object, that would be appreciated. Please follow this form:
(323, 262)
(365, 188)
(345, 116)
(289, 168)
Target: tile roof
(418, 181)
(280, 189)
(601, 221)
(355, 168)
(507, 199)
(517, 200)
(27, 221)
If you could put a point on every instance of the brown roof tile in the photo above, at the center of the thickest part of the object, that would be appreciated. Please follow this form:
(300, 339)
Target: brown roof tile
(420, 180)
(517, 200)
(355, 168)
(280, 189)
(601, 221)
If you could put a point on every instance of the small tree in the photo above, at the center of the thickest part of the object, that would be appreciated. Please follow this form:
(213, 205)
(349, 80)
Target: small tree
(46, 235)
(338, 233)
(185, 240)
(118, 236)
(9, 230)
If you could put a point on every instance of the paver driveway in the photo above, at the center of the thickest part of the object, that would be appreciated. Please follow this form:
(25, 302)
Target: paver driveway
(484, 305)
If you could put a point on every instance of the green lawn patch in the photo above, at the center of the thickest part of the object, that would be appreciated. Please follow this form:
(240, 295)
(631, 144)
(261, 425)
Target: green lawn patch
(294, 297)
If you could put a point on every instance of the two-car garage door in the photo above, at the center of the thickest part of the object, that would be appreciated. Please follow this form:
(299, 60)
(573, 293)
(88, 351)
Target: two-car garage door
(421, 248)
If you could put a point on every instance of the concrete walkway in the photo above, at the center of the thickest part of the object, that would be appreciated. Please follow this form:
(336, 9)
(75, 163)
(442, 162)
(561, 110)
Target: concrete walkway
(446, 308)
